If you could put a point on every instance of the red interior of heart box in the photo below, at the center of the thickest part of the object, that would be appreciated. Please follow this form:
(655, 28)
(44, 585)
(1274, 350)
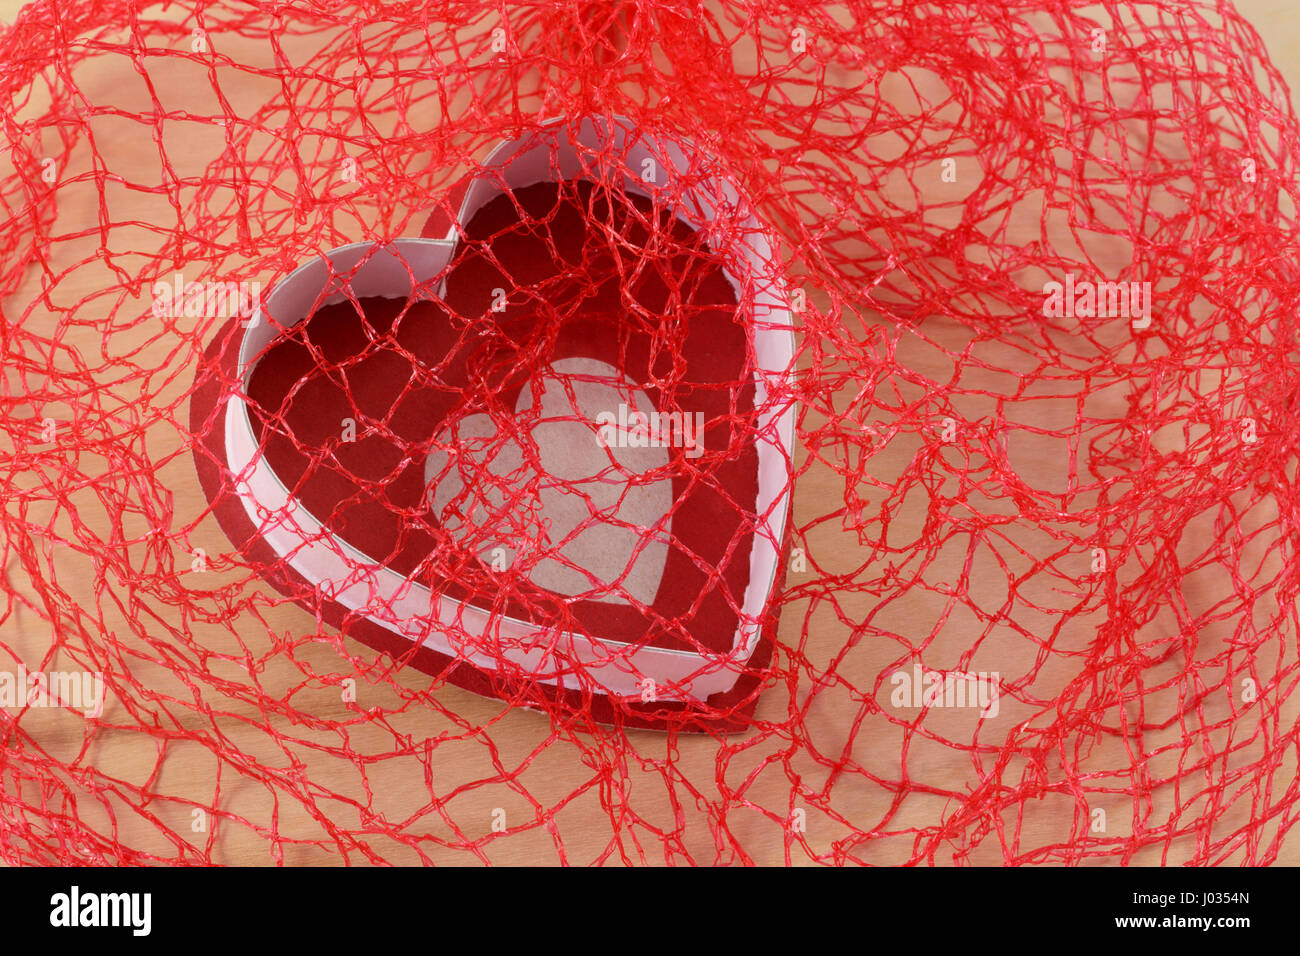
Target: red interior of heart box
(580, 282)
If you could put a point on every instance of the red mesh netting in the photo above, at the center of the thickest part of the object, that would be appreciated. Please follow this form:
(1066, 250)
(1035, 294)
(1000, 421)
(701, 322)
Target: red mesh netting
(1079, 509)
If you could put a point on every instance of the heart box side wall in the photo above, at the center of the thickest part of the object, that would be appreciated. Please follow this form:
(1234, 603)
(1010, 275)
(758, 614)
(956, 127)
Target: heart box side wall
(300, 556)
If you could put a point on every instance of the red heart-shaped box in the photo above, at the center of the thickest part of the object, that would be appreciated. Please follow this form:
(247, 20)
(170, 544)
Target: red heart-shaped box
(578, 246)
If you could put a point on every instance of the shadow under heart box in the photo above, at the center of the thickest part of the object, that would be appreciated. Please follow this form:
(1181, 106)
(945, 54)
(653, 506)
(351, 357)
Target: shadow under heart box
(543, 451)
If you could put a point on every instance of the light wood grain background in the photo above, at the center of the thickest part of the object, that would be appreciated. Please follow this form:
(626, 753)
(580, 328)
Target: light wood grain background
(478, 755)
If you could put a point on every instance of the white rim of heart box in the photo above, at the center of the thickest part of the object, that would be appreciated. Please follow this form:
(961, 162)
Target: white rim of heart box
(400, 267)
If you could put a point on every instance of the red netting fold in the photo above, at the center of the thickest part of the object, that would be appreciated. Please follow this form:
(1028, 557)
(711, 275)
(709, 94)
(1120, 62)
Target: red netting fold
(647, 432)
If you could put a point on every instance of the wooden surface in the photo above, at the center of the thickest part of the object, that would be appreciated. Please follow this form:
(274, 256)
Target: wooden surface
(398, 789)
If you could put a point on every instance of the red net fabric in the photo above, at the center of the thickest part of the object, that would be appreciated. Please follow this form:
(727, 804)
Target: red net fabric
(1075, 507)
